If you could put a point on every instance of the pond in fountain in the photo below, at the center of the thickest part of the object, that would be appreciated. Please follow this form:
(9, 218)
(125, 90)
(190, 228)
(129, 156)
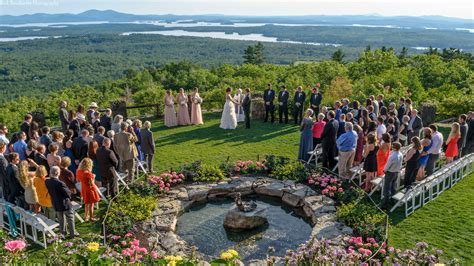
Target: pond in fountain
(202, 226)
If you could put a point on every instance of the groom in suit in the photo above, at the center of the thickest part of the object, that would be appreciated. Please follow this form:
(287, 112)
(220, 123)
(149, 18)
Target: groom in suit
(268, 97)
(246, 105)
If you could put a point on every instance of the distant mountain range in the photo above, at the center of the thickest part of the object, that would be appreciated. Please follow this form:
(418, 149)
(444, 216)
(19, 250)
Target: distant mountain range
(435, 22)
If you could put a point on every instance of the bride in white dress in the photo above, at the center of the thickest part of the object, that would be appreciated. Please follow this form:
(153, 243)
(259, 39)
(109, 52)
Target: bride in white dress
(229, 119)
(239, 111)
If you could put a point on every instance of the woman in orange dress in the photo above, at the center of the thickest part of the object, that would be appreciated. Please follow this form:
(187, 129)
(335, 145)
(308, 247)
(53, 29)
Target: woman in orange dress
(383, 153)
(89, 193)
(452, 142)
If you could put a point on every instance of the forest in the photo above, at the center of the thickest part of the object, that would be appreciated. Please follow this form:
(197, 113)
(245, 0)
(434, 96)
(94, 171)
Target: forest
(444, 79)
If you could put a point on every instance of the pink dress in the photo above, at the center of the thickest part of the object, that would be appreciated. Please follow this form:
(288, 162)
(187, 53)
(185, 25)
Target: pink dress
(170, 114)
(183, 115)
(196, 114)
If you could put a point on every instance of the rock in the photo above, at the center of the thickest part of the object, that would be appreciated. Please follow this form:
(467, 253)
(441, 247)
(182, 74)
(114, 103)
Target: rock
(273, 189)
(198, 192)
(324, 209)
(292, 200)
(183, 195)
(166, 222)
(170, 241)
(257, 263)
(237, 220)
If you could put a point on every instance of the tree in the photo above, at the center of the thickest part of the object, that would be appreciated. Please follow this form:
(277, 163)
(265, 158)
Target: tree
(403, 53)
(338, 56)
(254, 54)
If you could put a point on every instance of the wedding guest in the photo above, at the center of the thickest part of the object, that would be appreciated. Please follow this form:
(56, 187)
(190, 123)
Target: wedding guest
(306, 137)
(67, 176)
(380, 101)
(53, 158)
(350, 118)
(136, 126)
(392, 170)
(328, 142)
(63, 115)
(95, 121)
(89, 193)
(412, 160)
(90, 113)
(268, 98)
(170, 114)
(318, 128)
(108, 162)
(360, 145)
(426, 144)
(61, 201)
(470, 134)
(118, 119)
(370, 164)
(346, 145)
(81, 110)
(283, 97)
(74, 124)
(44, 199)
(67, 143)
(375, 105)
(124, 145)
(80, 146)
(196, 114)
(92, 154)
(372, 114)
(315, 99)
(452, 149)
(415, 124)
(364, 120)
(401, 108)
(3, 169)
(26, 181)
(25, 126)
(381, 129)
(58, 137)
(345, 106)
(342, 121)
(337, 110)
(356, 111)
(99, 136)
(15, 192)
(383, 153)
(20, 146)
(106, 120)
(40, 157)
(408, 106)
(3, 134)
(45, 138)
(148, 145)
(435, 150)
(384, 114)
(391, 129)
(247, 106)
(403, 130)
(463, 128)
(299, 99)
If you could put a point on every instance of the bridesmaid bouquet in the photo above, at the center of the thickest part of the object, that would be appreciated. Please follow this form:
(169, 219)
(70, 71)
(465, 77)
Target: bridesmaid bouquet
(183, 102)
(197, 100)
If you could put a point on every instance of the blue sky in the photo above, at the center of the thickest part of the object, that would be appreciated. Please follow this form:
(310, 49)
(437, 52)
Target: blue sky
(455, 8)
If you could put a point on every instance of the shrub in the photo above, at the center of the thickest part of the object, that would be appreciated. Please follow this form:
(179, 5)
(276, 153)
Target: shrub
(293, 170)
(250, 167)
(209, 173)
(128, 209)
(227, 168)
(364, 218)
(272, 161)
(191, 171)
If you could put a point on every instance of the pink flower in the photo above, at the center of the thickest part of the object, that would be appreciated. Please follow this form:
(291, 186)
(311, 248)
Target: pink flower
(391, 249)
(383, 251)
(311, 181)
(331, 194)
(340, 190)
(128, 234)
(167, 189)
(135, 243)
(123, 243)
(154, 255)
(325, 191)
(15, 245)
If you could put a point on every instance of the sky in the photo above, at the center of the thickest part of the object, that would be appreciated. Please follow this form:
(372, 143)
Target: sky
(454, 8)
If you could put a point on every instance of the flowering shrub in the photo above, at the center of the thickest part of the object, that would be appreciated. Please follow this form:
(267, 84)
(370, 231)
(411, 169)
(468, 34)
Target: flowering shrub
(228, 257)
(250, 167)
(14, 250)
(330, 186)
(363, 217)
(164, 181)
(316, 252)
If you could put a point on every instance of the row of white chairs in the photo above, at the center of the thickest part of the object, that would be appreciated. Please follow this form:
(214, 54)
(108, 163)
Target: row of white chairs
(431, 187)
(34, 226)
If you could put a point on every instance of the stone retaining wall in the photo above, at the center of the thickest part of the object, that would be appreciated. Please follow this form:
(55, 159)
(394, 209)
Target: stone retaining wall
(159, 230)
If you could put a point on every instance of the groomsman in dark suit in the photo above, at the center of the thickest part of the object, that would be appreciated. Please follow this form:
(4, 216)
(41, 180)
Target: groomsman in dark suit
(247, 106)
(283, 104)
(315, 100)
(269, 97)
(328, 142)
(299, 99)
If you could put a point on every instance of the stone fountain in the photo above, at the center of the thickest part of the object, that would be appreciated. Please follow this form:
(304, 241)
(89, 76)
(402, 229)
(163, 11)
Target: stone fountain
(245, 215)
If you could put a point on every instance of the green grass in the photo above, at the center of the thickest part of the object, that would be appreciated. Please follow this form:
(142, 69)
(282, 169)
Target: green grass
(211, 144)
(446, 223)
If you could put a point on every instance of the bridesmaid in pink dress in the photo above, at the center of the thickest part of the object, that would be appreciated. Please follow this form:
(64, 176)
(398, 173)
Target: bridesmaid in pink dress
(170, 114)
(183, 114)
(196, 115)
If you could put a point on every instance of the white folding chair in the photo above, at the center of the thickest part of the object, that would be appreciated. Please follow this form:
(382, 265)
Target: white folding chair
(120, 178)
(76, 206)
(314, 155)
(141, 166)
(46, 226)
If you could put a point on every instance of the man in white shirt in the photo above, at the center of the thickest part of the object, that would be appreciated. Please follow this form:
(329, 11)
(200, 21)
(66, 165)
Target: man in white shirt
(392, 170)
(381, 129)
(375, 104)
(434, 151)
